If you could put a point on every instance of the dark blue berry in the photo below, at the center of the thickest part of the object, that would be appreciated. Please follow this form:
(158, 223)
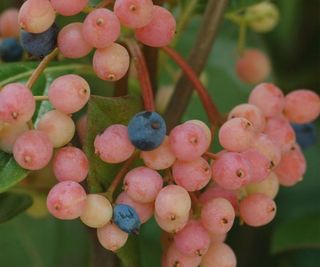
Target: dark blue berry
(11, 50)
(40, 44)
(126, 218)
(306, 134)
(147, 130)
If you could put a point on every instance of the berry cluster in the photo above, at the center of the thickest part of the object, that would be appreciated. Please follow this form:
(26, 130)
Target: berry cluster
(153, 25)
(10, 48)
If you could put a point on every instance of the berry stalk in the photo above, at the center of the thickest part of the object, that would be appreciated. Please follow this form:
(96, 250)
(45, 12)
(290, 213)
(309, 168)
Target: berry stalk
(41, 67)
(143, 74)
(41, 97)
(211, 109)
(124, 169)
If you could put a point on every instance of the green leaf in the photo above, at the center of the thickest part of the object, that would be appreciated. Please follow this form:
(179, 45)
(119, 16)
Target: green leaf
(13, 204)
(103, 112)
(129, 254)
(46, 242)
(10, 172)
(298, 234)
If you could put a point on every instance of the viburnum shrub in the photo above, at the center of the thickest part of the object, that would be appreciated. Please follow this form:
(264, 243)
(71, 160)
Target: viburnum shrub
(171, 173)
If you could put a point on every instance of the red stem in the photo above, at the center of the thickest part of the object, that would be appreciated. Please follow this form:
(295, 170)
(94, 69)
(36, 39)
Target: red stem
(211, 109)
(143, 74)
(124, 169)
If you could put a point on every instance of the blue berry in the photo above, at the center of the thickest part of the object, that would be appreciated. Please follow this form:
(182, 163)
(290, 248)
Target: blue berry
(40, 44)
(306, 134)
(147, 130)
(11, 50)
(126, 218)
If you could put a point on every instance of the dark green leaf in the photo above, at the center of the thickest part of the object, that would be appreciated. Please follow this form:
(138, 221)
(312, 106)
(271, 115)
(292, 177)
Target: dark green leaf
(10, 172)
(298, 234)
(103, 112)
(13, 204)
(129, 254)
(44, 242)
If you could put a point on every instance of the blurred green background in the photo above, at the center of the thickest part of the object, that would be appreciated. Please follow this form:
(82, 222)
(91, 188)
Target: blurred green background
(292, 240)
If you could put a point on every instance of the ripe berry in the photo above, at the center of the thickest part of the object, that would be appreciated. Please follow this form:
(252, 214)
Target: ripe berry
(147, 130)
(134, 13)
(302, 106)
(10, 50)
(66, 200)
(160, 30)
(126, 218)
(40, 44)
(9, 25)
(17, 103)
(269, 98)
(305, 134)
(69, 8)
(257, 209)
(253, 66)
(36, 16)
(113, 145)
(111, 237)
(33, 150)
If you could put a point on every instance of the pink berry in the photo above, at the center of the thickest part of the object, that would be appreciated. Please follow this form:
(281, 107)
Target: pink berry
(260, 166)
(43, 16)
(97, 211)
(69, 8)
(292, 167)
(134, 13)
(218, 192)
(70, 164)
(188, 141)
(69, 93)
(160, 158)
(250, 112)
(111, 63)
(231, 171)
(66, 200)
(217, 215)
(257, 209)
(168, 195)
(144, 210)
(71, 42)
(17, 104)
(204, 127)
(280, 132)
(174, 258)
(193, 239)
(9, 25)
(173, 225)
(58, 126)
(268, 97)
(268, 148)
(191, 175)
(302, 106)
(160, 30)
(253, 66)
(143, 184)
(33, 150)
(219, 254)
(111, 237)
(101, 28)
(236, 134)
(113, 145)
